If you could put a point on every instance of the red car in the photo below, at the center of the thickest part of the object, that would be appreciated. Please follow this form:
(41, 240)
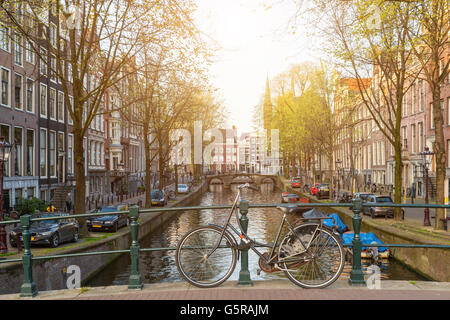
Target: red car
(313, 189)
(296, 183)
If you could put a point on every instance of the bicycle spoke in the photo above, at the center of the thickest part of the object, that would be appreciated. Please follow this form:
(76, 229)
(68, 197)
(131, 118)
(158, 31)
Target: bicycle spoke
(196, 261)
(319, 269)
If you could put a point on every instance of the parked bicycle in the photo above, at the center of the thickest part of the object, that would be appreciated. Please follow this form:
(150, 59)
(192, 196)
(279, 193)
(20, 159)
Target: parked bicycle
(310, 254)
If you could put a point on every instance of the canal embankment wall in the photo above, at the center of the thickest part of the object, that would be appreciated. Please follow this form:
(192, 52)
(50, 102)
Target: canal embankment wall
(431, 263)
(52, 274)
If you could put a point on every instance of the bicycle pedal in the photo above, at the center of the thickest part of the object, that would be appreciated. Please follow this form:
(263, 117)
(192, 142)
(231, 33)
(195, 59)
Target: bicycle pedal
(258, 271)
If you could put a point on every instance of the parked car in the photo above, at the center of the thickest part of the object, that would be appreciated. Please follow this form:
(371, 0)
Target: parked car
(158, 197)
(380, 211)
(48, 232)
(323, 191)
(296, 182)
(183, 188)
(363, 195)
(313, 189)
(111, 222)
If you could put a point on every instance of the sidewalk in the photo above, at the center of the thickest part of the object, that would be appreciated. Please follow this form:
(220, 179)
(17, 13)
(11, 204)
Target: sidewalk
(260, 290)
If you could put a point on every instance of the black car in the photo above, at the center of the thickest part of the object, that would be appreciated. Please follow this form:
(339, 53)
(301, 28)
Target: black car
(323, 191)
(380, 211)
(48, 232)
(111, 222)
(158, 198)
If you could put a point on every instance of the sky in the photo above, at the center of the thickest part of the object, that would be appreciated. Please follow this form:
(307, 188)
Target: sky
(254, 44)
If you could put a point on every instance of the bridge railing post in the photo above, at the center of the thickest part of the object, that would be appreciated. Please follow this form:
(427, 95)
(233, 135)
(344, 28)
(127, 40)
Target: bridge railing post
(135, 280)
(244, 274)
(28, 288)
(356, 275)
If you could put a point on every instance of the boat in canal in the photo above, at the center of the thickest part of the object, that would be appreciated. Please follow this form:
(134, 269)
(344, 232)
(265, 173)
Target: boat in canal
(374, 253)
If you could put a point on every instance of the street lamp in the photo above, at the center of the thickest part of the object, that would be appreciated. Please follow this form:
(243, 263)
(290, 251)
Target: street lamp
(424, 154)
(5, 150)
(338, 166)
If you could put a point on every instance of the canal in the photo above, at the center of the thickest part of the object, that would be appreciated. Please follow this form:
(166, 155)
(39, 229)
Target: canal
(159, 266)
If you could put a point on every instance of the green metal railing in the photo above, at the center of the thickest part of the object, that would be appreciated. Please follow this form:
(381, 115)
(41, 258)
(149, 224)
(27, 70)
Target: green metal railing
(28, 288)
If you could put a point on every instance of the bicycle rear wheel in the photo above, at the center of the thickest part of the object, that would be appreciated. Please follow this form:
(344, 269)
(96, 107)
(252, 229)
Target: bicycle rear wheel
(317, 269)
(193, 263)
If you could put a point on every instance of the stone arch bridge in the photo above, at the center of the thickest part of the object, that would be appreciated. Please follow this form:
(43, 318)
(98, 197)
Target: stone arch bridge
(227, 179)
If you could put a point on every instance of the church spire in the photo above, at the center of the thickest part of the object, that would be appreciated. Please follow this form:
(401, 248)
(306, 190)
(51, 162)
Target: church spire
(267, 106)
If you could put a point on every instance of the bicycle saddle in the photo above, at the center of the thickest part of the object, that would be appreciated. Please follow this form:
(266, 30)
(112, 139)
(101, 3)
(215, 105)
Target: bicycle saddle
(284, 209)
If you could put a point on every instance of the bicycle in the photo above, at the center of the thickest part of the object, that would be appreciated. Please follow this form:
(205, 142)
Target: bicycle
(310, 254)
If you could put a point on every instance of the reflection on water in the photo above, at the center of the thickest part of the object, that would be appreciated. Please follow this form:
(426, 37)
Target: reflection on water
(159, 266)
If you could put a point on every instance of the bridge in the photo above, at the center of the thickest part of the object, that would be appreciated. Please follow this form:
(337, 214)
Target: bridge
(228, 179)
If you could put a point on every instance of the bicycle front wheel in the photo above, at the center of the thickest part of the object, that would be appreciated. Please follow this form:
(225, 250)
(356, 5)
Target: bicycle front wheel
(198, 265)
(317, 267)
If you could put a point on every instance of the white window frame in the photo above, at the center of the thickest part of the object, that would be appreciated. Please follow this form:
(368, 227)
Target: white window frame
(41, 86)
(70, 120)
(70, 153)
(60, 96)
(29, 52)
(8, 91)
(21, 151)
(43, 68)
(21, 92)
(54, 104)
(5, 39)
(18, 48)
(32, 96)
(46, 151)
(55, 153)
(33, 155)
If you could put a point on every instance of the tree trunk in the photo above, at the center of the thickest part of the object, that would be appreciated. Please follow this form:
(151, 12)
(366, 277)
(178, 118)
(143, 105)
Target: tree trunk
(80, 187)
(439, 151)
(148, 168)
(398, 178)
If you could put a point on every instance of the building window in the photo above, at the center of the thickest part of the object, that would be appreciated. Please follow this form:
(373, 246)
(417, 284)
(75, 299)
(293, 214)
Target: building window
(413, 138)
(43, 153)
(70, 121)
(18, 151)
(30, 152)
(422, 94)
(4, 132)
(4, 38)
(420, 134)
(43, 62)
(52, 101)
(5, 87)
(17, 49)
(29, 52)
(18, 91)
(30, 192)
(52, 154)
(43, 100)
(60, 106)
(52, 34)
(30, 95)
(53, 70)
(70, 154)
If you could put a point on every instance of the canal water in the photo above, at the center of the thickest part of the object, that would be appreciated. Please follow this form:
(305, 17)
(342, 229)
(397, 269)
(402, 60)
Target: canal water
(159, 266)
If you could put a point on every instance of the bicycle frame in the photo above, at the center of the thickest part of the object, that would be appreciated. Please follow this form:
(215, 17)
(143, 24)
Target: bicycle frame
(251, 243)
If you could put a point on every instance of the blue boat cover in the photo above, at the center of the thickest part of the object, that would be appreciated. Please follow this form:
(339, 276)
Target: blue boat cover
(335, 220)
(366, 238)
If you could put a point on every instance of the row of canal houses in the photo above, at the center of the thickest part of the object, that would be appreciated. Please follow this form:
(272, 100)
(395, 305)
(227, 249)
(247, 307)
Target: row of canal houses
(366, 153)
(35, 120)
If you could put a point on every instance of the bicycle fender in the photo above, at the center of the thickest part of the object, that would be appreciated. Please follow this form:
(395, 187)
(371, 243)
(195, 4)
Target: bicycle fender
(235, 244)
